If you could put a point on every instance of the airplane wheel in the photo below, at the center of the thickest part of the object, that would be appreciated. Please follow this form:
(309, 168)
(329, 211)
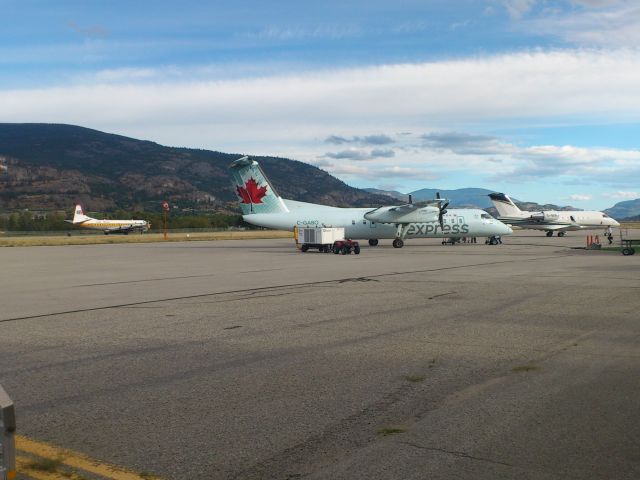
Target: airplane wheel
(549, 234)
(106, 233)
(398, 243)
(373, 242)
(561, 234)
(493, 241)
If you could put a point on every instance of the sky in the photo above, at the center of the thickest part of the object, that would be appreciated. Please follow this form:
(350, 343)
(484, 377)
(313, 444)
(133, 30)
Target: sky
(539, 99)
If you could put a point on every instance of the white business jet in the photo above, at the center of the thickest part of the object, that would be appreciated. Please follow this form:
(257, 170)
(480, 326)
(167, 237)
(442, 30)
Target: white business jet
(560, 221)
(262, 206)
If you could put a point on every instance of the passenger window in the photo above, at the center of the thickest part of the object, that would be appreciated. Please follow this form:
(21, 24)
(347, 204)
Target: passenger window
(364, 222)
(460, 220)
(353, 222)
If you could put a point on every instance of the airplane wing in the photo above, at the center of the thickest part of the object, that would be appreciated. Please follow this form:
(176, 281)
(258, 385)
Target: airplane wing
(408, 213)
(560, 227)
(127, 228)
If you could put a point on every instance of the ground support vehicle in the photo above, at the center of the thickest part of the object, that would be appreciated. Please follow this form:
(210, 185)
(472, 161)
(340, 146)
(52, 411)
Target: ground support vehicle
(628, 244)
(345, 247)
(320, 238)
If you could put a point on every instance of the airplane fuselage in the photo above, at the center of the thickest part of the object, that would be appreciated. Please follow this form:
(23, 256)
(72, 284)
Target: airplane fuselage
(113, 226)
(561, 220)
(456, 222)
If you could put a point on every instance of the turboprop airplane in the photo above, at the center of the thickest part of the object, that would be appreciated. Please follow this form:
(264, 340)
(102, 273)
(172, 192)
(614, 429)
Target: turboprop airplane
(261, 205)
(549, 220)
(107, 226)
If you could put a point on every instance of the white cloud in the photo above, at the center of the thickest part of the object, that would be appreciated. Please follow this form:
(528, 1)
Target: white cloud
(580, 197)
(628, 195)
(380, 139)
(300, 32)
(518, 8)
(360, 154)
(595, 3)
(293, 115)
(597, 23)
(516, 86)
(350, 171)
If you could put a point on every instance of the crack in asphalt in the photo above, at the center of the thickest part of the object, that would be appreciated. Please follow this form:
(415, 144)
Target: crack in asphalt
(468, 456)
(458, 454)
(259, 289)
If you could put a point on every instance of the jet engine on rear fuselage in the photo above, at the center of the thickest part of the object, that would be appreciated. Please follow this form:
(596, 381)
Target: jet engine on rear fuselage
(548, 216)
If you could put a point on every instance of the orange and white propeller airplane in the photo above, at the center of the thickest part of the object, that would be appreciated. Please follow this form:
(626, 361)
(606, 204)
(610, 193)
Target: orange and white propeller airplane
(107, 226)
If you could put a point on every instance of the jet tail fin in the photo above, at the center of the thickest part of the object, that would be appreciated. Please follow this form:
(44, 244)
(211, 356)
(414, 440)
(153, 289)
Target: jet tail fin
(79, 216)
(255, 192)
(505, 206)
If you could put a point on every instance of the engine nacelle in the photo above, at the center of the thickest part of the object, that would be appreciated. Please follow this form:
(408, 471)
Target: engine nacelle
(546, 216)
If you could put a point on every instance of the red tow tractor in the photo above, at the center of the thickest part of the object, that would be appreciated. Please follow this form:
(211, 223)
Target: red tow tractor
(346, 246)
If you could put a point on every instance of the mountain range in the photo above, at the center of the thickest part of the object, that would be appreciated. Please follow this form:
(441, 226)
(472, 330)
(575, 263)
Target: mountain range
(53, 166)
(629, 209)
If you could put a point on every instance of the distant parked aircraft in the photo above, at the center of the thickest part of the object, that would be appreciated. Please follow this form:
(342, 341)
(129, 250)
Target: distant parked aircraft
(80, 220)
(549, 220)
(262, 206)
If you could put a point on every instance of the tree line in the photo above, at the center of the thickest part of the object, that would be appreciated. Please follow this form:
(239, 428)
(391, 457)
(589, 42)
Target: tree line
(55, 221)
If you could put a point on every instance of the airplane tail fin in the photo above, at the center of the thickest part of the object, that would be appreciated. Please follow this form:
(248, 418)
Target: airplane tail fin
(79, 216)
(255, 192)
(505, 206)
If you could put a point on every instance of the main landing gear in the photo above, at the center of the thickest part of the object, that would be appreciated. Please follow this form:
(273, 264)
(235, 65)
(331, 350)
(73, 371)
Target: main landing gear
(561, 234)
(550, 233)
(373, 242)
(401, 233)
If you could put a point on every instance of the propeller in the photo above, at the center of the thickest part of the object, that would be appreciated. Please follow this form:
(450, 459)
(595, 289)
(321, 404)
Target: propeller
(442, 207)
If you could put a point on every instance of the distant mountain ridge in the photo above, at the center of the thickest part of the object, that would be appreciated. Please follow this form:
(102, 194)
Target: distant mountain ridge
(51, 166)
(628, 209)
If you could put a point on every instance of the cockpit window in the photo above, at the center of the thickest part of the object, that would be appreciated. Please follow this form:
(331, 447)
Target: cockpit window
(604, 215)
(485, 216)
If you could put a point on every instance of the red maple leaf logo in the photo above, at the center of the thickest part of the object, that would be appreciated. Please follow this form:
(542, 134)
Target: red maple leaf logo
(251, 192)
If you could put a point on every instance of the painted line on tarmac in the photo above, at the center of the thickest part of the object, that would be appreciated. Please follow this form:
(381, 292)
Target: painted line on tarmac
(47, 462)
(274, 287)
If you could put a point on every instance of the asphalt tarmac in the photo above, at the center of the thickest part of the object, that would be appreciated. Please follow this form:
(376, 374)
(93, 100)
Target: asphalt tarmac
(251, 360)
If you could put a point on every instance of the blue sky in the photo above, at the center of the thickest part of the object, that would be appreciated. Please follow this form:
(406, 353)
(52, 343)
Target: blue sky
(535, 98)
